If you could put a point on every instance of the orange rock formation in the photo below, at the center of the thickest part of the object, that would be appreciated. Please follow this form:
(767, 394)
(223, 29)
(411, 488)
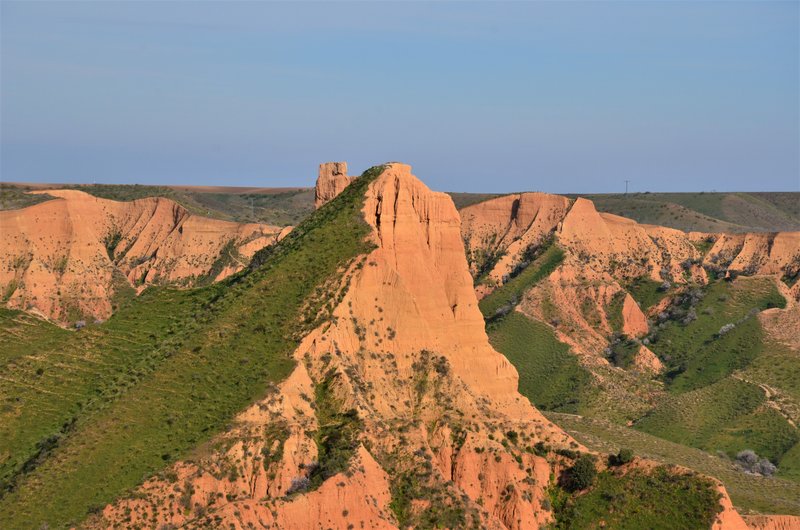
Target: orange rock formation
(331, 181)
(603, 253)
(509, 225)
(410, 313)
(406, 349)
(67, 258)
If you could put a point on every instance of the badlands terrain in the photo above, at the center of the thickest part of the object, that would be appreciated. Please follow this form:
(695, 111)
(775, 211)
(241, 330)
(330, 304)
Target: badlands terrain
(366, 355)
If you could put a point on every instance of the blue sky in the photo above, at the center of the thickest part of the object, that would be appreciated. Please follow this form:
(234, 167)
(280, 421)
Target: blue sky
(553, 96)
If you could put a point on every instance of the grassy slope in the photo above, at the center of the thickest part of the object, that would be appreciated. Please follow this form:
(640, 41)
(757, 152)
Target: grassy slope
(120, 401)
(549, 375)
(694, 354)
(14, 197)
(640, 500)
(462, 200)
(21, 333)
(749, 492)
(279, 207)
(512, 291)
(712, 405)
(727, 416)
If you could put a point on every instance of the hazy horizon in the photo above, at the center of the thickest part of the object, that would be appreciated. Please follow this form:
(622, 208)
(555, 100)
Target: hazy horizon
(478, 97)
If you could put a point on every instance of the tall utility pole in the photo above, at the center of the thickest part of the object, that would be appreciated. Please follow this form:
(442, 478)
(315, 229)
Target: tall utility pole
(626, 186)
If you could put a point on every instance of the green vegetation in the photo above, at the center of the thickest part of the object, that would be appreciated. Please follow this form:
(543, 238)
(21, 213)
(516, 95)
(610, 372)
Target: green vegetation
(164, 374)
(707, 212)
(22, 333)
(727, 416)
(462, 200)
(657, 499)
(646, 292)
(228, 255)
(624, 456)
(614, 312)
(549, 375)
(510, 293)
(277, 207)
(412, 480)
(111, 241)
(337, 437)
(722, 334)
(581, 475)
(13, 197)
(749, 492)
(623, 352)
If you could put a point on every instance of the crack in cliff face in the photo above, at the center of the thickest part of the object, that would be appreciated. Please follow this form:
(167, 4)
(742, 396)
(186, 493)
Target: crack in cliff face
(378, 205)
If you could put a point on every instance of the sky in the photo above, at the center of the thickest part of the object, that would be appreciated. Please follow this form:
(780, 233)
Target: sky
(565, 97)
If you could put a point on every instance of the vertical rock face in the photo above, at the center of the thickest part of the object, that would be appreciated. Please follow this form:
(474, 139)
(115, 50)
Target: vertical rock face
(406, 349)
(332, 180)
(72, 255)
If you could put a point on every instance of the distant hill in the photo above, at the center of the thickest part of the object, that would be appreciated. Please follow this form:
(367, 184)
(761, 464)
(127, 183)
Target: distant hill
(274, 206)
(707, 212)
(700, 212)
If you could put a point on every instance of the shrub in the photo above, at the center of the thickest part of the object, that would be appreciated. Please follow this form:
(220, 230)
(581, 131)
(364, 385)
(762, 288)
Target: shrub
(298, 484)
(749, 461)
(624, 456)
(581, 475)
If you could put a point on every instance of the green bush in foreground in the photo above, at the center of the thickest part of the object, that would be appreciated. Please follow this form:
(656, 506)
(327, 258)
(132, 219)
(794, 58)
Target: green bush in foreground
(581, 475)
(640, 500)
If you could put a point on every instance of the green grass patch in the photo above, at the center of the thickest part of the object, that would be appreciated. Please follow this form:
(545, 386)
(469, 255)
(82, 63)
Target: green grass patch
(337, 436)
(118, 402)
(726, 416)
(696, 353)
(748, 492)
(22, 333)
(549, 375)
(646, 292)
(614, 312)
(639, 500)
(512, 291)
(14, 197)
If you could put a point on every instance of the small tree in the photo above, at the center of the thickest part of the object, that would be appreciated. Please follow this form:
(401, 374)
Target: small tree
(581, 475)
(624, 456)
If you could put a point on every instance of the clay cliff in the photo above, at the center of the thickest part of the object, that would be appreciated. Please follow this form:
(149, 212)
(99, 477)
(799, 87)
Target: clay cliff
(74, 257)
(603, 255)
(406, 349)
(440, 432)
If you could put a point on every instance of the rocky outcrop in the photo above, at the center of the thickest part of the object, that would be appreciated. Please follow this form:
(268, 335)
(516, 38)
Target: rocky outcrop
(332, 180)
(604, 253)
(507, 226)
(441, 425)
(406, 349)
(68, 258)
(775, 254)
(647, 361)
(634, 323)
